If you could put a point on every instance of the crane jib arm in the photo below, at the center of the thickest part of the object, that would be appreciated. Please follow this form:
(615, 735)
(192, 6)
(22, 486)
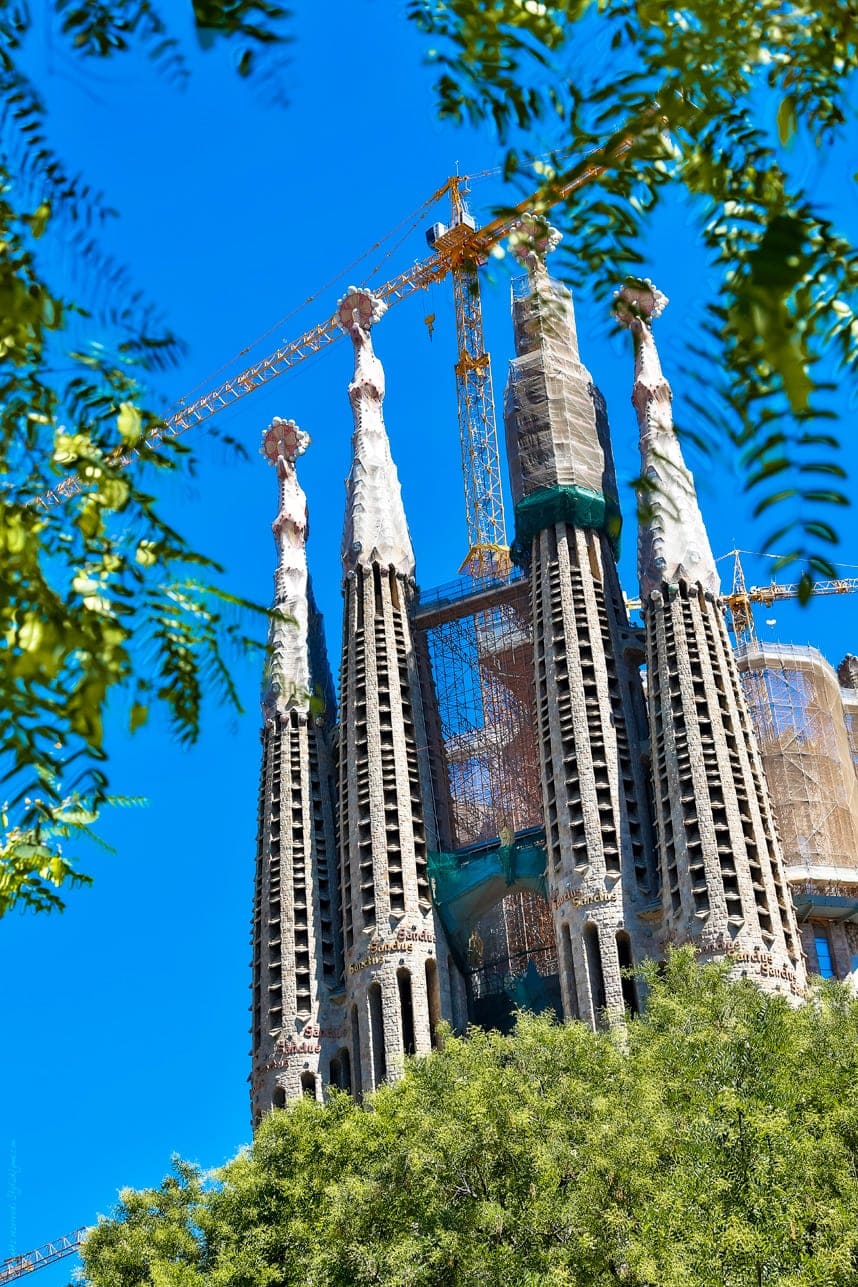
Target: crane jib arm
(418, 277)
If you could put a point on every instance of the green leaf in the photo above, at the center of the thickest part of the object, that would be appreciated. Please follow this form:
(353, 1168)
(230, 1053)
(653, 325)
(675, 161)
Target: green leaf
(786, 120)
(129, 422)
(139, 716)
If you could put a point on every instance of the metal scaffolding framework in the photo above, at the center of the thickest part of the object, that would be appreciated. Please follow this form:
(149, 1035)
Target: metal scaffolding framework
(798, 712)
(480, 650)
(478, 639)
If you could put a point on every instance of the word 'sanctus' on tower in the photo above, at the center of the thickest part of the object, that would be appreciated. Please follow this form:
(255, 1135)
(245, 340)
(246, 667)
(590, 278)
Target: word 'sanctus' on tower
(395, 991)
(296, 1032)
(589, 700)
(723, 885)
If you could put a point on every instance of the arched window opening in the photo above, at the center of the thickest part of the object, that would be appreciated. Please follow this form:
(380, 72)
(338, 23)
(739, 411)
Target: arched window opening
(460, 1017)
(376, 1033)
(345, 1082)
(569, 971)
(594, 968)
(279, 1098)
(406, 1010)
(433, 994)
(627, 980)
(308, 1084)
(358, 1087)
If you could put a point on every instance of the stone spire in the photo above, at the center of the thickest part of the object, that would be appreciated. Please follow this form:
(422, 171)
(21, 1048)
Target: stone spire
(396, 988)
(723, 886)
(589, 702)
(288, 678)
(298, 1043)
(672, 542)
(375, 530)
(559, 452)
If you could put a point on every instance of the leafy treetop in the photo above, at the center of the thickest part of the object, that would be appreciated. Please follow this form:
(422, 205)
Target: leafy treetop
(711, 1143)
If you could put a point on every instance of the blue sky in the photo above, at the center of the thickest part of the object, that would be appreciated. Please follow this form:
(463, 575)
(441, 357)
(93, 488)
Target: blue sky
(125, 1020)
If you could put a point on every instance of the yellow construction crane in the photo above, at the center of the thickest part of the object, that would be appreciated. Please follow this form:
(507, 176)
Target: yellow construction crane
(740, 600)
(458, 249)
(16, 1266)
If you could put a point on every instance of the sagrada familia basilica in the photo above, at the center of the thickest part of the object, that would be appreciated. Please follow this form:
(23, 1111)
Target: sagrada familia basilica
(520, 794)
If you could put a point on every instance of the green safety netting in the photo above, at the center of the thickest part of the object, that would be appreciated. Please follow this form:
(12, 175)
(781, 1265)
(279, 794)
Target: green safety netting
(580, 506)
(466, 882)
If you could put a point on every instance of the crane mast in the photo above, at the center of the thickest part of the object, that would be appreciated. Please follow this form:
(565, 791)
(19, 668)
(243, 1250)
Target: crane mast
(462, 248)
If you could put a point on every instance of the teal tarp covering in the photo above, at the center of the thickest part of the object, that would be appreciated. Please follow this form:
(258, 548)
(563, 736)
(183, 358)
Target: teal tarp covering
(580, 506)
(466, 882)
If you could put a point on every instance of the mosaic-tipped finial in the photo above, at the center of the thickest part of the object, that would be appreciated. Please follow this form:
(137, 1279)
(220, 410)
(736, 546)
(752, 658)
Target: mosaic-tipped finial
(639, 300)
(359, 309)
(283, 440)
(532, 239)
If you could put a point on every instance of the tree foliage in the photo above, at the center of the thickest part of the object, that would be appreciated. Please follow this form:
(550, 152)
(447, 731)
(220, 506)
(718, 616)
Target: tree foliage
(83, 577)
(711, 97)
(712, 1142)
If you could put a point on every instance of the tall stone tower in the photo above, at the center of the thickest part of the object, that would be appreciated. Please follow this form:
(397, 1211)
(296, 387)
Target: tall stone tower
(722, 877)
(395, 989)
(590, 710)
(296, 1033)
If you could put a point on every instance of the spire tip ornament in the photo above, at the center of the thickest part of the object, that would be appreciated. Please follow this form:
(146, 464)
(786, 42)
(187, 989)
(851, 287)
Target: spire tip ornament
(673, 545)
(532, 239)
(283, 440)
(359, 309)
(639, 300)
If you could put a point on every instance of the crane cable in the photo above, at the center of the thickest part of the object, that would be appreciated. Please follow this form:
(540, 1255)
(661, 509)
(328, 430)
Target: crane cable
(411, 219)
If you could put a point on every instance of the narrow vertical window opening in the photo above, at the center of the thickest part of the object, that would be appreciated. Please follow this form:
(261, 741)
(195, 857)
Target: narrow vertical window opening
(376, 1030)
(406, 1010)
(627, 981)
(569, 971)
(433, 994)
(358, 1080)
(594, 968)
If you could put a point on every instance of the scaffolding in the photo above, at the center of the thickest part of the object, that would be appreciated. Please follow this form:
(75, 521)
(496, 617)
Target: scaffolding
(847, 673)
(850, 712)
(801, 724)
(478, 639)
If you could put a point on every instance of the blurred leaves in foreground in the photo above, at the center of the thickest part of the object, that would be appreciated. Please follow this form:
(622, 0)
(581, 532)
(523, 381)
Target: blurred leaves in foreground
(98, 594)
(712, 97)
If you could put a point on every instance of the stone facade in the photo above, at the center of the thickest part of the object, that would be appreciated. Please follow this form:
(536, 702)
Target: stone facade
(589, 701)
(396, 988)
(659, 828)
(296, 1026)
(722, 875)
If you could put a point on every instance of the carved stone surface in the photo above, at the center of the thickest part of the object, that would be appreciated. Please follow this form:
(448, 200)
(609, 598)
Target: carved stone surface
(723, 886)
(531, 240)
(672, 540)
(375, 530)
(589, 703)
(297, 1028)
(396, 986)
(288, 678)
